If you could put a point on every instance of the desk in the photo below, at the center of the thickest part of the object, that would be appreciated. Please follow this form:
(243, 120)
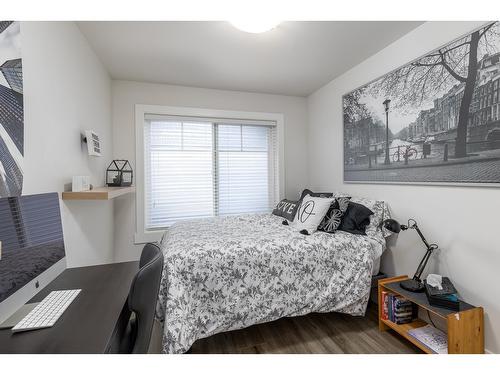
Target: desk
(89, 322)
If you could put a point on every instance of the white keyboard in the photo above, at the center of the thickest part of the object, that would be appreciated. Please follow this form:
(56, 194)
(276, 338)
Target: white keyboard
(46, 313)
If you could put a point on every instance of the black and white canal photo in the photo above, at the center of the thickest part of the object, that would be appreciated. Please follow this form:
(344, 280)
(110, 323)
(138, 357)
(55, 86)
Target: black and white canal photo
(434, 120)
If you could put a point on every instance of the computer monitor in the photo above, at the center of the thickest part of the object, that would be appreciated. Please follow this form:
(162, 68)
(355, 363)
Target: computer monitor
(32, 248)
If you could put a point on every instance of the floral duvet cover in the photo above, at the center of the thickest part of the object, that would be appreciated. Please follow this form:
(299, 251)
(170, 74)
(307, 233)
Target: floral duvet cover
(227, 273)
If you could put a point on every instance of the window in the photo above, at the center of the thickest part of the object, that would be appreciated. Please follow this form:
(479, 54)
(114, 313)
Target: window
(246, 177)
(203, 167)
(178, 170)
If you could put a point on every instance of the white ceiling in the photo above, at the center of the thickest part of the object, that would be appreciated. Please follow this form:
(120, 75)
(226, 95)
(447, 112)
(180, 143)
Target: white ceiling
(296, 58)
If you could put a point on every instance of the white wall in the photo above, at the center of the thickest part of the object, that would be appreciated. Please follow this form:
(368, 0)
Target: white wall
(126, 94)
(67, 90)
(462, 220)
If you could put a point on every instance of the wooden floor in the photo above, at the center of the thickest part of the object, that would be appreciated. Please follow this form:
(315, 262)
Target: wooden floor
(313, 333)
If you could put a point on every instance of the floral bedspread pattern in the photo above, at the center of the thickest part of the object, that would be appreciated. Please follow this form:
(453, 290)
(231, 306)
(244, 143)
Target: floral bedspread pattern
(228, 273)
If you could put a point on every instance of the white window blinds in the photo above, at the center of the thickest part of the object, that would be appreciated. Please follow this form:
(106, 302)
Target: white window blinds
(196, 168)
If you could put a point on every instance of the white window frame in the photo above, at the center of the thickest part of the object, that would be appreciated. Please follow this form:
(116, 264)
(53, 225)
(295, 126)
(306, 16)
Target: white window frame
(141, 234)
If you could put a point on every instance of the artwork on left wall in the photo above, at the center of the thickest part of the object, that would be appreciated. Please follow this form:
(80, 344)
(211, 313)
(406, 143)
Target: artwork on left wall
(11, 110)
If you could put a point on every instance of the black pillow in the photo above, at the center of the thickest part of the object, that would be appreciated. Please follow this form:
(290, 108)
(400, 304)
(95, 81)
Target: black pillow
(287, 209)
(312, 194)
(333, 217)
(355, 219)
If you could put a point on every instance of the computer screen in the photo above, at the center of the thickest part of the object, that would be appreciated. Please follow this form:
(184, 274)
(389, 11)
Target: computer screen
(31, 239)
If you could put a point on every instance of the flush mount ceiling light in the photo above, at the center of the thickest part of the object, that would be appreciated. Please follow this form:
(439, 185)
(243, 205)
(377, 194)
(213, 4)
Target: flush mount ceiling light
(255, 26)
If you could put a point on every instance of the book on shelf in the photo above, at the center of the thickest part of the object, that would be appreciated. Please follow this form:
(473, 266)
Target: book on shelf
(397, 309)
(385, 311)
(434, 339)
(449, 301)
(446, 300)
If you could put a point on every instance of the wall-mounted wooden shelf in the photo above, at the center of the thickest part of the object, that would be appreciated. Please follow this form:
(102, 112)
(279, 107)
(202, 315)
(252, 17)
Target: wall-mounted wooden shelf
(99, 193)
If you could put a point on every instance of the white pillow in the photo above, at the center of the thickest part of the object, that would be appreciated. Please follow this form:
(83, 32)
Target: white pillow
(310, 213)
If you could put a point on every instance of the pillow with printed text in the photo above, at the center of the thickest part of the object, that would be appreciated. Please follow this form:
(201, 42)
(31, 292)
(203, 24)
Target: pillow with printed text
(287, 209)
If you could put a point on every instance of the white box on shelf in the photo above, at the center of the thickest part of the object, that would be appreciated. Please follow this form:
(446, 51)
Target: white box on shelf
(80, 183)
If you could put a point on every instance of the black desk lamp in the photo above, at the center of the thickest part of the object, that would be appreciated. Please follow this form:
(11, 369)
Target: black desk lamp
(414, 284)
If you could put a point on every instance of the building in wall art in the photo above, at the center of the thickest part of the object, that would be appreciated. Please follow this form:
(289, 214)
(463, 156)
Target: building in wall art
(11, 110)
(11, 116)
(4, 25)
(12, 70)
(484, 109)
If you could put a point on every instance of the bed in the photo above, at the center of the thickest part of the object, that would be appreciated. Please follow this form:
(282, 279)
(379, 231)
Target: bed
(228, 273)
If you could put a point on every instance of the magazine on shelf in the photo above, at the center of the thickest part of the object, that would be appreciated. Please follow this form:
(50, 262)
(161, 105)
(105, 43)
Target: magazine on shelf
(431, 337)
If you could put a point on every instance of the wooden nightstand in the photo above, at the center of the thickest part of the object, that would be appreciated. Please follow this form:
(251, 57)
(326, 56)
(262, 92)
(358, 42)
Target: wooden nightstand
(464, 327)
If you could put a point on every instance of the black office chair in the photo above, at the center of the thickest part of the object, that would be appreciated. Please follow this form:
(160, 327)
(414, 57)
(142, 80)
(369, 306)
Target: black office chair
(142, 302)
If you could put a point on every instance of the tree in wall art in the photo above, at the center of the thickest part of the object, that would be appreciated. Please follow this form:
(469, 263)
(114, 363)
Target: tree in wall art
(434, 120)
(11, 110)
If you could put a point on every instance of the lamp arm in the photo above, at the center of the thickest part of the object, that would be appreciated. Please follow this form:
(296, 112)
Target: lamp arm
(415, 226)
(423, 263)
(425, 259)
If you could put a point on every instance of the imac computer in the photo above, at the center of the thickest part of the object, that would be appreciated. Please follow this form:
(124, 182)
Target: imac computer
(31, 252)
